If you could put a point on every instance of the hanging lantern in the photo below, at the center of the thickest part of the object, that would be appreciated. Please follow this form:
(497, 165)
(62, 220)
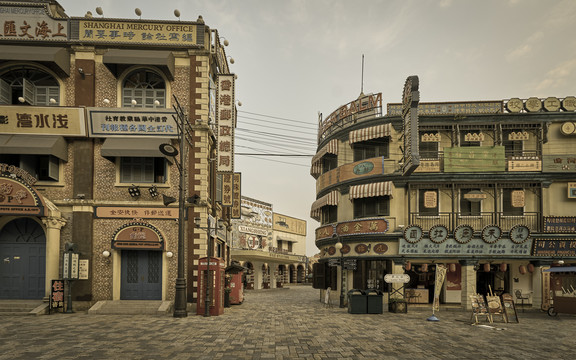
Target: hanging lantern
(452, 267)
(486, 267)
(503, 267)
(522, 269)
(424, 268)
(408, 266)
(530, 268)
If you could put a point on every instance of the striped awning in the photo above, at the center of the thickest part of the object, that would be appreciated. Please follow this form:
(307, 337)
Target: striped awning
(330, 148)
(373, 132)
(371, 190)
(329, 199)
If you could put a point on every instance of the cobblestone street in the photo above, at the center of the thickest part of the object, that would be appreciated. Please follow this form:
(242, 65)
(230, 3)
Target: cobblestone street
(286, 324)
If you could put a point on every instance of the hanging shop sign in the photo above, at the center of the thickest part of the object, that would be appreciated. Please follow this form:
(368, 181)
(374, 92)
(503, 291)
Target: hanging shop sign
(225, 122)
(38, 120)
(560, 224)
(474, 247)
(555, 247)
(410, 100)
(236, 211)
(452, 108)
(227, 189)
(105, 122)
(18, 198)
(559, 163)
(367, 226)
(32, 23)
(138, 235)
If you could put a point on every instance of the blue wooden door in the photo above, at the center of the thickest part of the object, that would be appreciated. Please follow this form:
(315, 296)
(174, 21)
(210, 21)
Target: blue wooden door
(141, 275)
(22, 260)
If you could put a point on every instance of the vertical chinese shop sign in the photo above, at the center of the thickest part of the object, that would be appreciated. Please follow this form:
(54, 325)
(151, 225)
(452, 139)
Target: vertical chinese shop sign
(225, 120)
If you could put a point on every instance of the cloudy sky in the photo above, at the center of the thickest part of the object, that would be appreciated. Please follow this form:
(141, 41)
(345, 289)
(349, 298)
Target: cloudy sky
(296, 58)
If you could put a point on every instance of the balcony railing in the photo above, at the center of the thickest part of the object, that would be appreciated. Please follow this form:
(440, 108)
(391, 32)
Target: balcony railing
(452, 220)
(527, 160)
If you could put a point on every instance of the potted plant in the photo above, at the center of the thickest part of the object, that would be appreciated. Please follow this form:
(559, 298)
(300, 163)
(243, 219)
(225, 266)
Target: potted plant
(397, 305)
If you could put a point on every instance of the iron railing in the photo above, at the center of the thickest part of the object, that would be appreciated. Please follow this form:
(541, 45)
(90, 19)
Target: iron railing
(451, 220)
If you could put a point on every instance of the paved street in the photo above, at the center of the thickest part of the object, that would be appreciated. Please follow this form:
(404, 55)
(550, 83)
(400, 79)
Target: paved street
(285, 324)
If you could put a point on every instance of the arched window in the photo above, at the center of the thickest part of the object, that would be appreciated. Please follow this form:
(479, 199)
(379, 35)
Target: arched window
(144, 88)
(23, 84)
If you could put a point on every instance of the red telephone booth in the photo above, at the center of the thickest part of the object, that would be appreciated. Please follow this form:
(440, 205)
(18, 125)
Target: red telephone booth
(216, 283)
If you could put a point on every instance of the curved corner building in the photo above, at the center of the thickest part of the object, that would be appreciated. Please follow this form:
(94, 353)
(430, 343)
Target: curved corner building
(483, 189)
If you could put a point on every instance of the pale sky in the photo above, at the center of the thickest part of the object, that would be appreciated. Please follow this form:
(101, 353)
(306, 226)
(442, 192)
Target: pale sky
(295, 58)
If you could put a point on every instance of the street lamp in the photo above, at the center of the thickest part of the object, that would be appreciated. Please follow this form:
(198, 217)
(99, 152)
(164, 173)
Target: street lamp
(339, 247)
(169, 150)
(208, 279)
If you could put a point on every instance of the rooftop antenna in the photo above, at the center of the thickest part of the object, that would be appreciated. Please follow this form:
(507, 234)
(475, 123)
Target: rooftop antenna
(362, 82)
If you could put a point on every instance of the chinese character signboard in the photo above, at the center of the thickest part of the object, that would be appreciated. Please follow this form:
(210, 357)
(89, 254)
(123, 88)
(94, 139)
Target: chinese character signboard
(559, 163)
(410, 100)
(227, 189)
(474, 247)
(26, 23)
(236, 196)
(467, 108)
(132, 122)
(556, 247)
(361, 227)
(147, 32)
(226, 118)
(37, 120)
(138, 235)
(474, 159)
(288, 224)
(136, 212)
(57, 295)
(560, 224)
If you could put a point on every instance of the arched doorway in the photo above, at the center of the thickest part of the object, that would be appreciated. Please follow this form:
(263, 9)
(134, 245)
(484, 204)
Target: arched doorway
(23, 259)
(300, 274)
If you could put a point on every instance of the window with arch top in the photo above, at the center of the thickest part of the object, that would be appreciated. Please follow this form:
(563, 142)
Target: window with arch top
(144, 88)
(28, 85)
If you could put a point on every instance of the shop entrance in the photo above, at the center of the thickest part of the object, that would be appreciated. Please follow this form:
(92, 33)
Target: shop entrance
(491, 277)
(22, 260)
(141, 275)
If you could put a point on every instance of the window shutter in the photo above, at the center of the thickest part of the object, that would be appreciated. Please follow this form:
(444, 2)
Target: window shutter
(5, 93)
(29, 92)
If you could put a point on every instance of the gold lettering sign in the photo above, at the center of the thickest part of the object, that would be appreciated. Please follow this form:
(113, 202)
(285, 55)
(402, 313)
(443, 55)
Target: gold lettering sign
(145, 32)
(518, 198)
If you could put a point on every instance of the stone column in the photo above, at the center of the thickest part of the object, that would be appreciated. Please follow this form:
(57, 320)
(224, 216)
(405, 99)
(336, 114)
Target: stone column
(468, 283)
(53, 226)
